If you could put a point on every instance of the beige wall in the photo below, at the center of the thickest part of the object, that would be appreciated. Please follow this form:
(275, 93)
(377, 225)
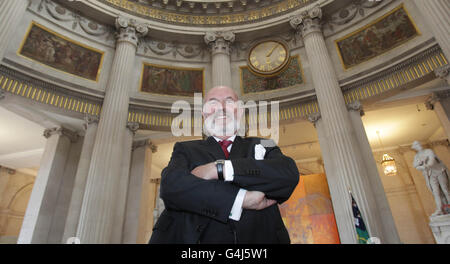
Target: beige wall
(15, 191)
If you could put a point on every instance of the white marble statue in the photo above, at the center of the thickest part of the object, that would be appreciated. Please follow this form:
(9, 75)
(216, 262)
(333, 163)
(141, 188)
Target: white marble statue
(436, 175)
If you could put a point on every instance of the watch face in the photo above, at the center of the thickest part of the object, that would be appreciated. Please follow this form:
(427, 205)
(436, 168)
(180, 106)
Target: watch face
(268, 57)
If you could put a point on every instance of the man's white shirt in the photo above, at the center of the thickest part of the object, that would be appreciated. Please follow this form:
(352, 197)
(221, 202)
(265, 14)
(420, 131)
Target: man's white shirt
(228, 175)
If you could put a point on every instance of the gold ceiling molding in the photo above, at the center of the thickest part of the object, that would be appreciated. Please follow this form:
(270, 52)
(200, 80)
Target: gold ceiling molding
(53, 96)
(396, 76)
(207, 20)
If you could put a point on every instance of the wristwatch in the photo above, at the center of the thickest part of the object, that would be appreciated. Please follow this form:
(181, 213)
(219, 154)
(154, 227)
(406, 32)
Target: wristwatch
(219, 165)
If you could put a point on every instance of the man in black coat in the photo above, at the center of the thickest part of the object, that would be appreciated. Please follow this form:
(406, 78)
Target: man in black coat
(217, 190)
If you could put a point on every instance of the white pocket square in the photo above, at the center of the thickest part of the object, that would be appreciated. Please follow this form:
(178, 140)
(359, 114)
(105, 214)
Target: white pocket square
(260, 152)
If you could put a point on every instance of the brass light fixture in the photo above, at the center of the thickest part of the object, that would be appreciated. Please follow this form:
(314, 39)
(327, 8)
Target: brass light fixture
(388, 162)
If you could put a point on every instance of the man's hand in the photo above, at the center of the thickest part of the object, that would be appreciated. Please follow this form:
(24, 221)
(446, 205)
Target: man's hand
(256, 201)
(206, 172)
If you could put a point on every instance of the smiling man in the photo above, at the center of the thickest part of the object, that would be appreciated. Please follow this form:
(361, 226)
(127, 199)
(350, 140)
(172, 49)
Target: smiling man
(224, 189)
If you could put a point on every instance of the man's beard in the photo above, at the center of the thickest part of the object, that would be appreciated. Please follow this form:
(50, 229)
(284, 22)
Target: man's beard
(216, 127)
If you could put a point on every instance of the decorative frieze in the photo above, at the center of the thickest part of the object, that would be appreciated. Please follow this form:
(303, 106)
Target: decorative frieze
(73, 21)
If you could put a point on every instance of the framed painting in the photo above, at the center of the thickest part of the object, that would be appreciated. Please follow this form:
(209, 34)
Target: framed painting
(308, 214)
(290, 76)
(60, 53)
(175, 81)
(387, 32)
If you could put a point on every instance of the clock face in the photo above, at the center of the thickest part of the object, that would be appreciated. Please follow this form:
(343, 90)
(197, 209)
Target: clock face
(268, 57)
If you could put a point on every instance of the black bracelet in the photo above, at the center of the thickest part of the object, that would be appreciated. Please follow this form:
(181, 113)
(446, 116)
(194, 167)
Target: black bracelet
(219, 166)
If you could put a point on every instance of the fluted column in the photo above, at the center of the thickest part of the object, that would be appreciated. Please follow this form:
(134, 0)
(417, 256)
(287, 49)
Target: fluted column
(349, 169)
(90, 127)
(99, 202)
(138, 208)
(11, 11)
(437, 15)
(39, 216)
(375, 184)
(123, 191)
(220, 43)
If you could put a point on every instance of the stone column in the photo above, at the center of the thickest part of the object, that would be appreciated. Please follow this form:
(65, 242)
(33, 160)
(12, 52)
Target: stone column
(11, 11)
(123, 192)
(437, 14)
(384, 211)
(348, 166)
(41, 207)
(220, 43)
(90, 127)
(338, 188)
(440, 103)
(138, 191)
(99, 201)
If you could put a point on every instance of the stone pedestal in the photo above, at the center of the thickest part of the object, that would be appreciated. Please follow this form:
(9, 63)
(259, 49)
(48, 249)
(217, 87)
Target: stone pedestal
(11, 11)
(220, 43)
(440, 225)
(98, 211)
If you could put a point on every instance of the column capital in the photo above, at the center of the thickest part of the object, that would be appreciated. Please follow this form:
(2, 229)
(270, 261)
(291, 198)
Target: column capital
(443, 72)
(308, 21)
(219, 41)
(133, 126)
(314, 117)
(72, 136)
(129, 30)
(145, 143)
(90, 119)
(436, 97)
(356, 106)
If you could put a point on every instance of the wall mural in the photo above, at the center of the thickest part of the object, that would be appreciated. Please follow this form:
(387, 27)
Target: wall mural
(171, 80)
(58, 52)
(387, 32)
(292, 75)
(308, 214)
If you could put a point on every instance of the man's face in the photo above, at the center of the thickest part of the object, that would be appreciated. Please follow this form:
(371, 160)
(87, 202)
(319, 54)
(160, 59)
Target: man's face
(221, 112)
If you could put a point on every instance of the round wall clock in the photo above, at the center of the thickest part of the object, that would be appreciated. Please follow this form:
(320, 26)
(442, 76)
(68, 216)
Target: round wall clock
(268, 57)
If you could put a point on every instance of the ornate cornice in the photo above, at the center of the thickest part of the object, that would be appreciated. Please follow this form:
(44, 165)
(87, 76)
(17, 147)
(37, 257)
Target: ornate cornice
(157, 13)
(73, 21)
(399, 75)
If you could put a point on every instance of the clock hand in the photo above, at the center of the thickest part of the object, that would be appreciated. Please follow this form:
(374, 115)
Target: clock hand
(271, 51)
